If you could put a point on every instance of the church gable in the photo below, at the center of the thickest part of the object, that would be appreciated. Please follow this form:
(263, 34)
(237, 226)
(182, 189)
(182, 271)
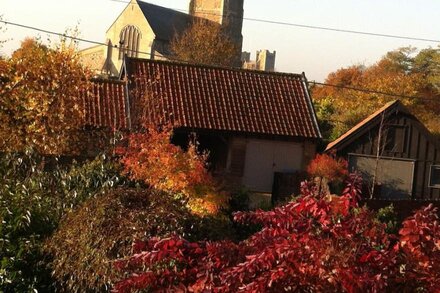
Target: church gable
(145, 30)
(131, 34)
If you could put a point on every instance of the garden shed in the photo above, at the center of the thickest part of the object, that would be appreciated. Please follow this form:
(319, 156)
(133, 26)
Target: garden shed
(396, 154)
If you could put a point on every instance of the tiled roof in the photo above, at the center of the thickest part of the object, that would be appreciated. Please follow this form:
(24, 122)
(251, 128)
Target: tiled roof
(104, 104)
(364, 123)
(215, 98)
(165, 22)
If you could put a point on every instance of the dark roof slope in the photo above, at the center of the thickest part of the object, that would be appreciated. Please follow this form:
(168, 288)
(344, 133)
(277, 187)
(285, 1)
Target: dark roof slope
(225, 99)
(375, 118)
(165, 22)
(105, 104)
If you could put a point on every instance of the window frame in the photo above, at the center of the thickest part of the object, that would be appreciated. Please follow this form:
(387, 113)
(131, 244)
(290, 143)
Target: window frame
(395, 129)
(431, 168)
(131, 36)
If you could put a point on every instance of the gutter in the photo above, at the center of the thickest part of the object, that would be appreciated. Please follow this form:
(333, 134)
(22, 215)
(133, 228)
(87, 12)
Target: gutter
(127, 99)
(309, 99)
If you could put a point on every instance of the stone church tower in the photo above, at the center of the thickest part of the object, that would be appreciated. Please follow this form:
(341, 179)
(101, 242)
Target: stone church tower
(228, 13)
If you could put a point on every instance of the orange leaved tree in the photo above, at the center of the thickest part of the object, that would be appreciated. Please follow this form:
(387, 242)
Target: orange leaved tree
(152, 158)
(206, 43)
(40, 102)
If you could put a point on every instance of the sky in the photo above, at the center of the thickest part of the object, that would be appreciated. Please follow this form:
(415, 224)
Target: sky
(315, 52)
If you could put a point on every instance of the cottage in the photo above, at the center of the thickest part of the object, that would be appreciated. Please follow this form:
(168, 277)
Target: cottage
(253, 123)
(397, 156)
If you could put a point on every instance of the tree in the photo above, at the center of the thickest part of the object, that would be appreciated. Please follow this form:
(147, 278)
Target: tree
(401, 72)
(41, 104)
(2, 29)
(427, 62)
(152, 158)
(204, 42)
(327, 169)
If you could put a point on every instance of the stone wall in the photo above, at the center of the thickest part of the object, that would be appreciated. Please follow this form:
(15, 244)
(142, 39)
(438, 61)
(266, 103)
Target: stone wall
(94, 58)
(132, 15)
(229, 13)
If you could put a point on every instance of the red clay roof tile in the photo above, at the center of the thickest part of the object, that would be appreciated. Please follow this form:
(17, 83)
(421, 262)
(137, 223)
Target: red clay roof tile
(215, 98)
(105, 104)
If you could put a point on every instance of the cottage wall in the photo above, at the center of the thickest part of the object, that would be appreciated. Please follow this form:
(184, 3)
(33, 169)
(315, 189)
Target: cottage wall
(254, 162)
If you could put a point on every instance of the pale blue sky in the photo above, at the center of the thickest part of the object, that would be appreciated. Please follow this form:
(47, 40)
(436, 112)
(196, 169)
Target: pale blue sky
(298, 49)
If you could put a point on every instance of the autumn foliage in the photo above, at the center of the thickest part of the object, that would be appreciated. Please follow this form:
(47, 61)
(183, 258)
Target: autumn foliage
(329, 167)
(316, 243)
(151, 157)
(404, 72)
(206, 43)
(420, 243)
(40, 101)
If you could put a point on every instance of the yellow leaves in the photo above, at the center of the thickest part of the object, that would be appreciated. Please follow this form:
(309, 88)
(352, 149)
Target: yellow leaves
(205, 43)
(41, 102)
(393, 74)
(210, 204)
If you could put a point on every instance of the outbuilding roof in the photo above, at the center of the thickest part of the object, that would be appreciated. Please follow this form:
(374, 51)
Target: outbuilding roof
(105, 104)
(358, 129)
(225, 99)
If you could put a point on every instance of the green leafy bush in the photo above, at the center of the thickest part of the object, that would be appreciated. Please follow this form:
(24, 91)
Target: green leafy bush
(103, 229)
(388, 216)
(32, 201)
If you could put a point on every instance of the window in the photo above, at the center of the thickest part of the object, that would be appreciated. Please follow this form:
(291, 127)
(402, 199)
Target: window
(434, 178)
(129, 42)
(395, 139)
(394, 176)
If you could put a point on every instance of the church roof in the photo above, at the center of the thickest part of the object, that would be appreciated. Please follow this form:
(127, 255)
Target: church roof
(225, 99)
(165, 22)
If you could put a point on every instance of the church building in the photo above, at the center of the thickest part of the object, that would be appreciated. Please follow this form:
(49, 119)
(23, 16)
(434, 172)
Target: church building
(145, 30)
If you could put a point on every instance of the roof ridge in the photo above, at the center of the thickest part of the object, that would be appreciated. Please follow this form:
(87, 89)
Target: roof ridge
(178, 62)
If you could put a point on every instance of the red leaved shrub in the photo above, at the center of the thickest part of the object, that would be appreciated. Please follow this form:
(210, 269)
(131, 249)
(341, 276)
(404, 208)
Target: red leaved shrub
(329, 167)
(317, 243)
(420, 243)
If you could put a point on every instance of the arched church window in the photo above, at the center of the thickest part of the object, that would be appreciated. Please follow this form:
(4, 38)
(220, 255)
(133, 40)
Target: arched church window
(129, 41)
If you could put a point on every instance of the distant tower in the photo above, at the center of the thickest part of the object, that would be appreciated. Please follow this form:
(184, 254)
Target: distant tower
(228, 13)
(266, 60)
